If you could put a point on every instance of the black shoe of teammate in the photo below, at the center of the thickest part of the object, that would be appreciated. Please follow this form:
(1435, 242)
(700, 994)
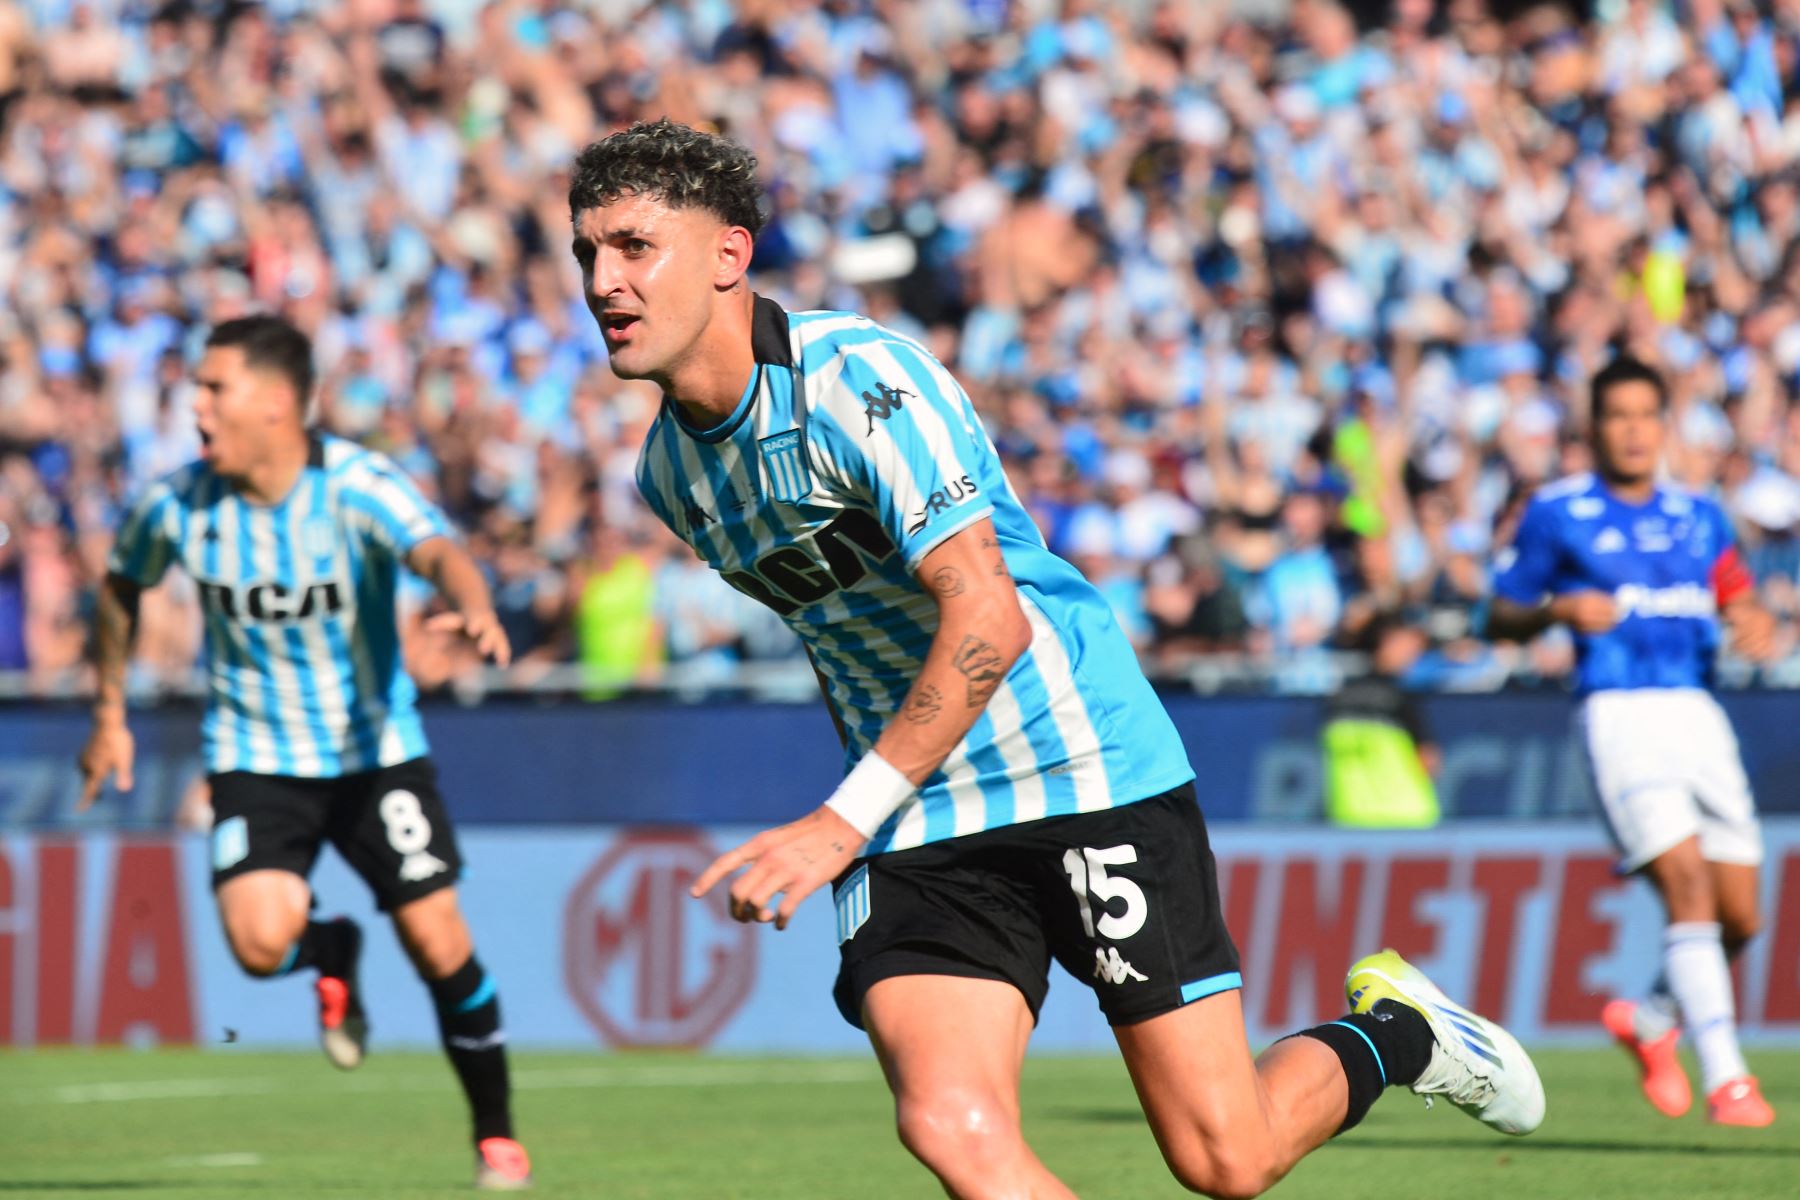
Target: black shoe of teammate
(343, 1029)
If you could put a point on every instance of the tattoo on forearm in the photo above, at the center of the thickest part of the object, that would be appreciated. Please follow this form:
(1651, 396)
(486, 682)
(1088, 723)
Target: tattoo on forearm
(948, 582)
(980, 664)
(114, 623)
(923, 706)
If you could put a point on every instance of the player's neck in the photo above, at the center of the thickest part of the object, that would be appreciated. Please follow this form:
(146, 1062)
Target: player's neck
(1640, 490)
(707, 385)
(271, 481)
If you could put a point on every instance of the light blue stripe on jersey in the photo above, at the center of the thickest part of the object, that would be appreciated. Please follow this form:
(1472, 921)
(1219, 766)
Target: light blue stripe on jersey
(272, 713)
(996, 788)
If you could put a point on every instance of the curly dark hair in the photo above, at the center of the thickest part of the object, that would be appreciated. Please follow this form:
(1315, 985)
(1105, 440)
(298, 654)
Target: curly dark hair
(681, 166)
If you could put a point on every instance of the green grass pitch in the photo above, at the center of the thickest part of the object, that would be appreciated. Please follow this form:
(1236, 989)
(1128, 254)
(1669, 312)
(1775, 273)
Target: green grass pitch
(225, 1124)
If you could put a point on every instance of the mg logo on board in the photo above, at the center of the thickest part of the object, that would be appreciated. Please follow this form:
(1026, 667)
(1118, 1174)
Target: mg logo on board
(646, 963)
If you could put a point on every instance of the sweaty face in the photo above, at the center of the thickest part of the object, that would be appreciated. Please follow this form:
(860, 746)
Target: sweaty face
(650, 274)
(239, 410)
(1628, 435)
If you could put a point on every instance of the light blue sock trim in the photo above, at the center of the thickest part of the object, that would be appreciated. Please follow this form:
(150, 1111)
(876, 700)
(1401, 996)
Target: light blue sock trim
(1379, 1065)
(1212, 985)
(287, 963)
(480, 995)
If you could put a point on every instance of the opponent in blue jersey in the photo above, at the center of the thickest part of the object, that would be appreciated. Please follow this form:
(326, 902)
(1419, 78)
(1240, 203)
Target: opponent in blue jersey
(1643, 575)
(295, 540)
(1015, 792)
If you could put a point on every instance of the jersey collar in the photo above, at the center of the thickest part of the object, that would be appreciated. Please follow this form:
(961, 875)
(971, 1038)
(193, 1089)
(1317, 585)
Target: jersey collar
(770, 345)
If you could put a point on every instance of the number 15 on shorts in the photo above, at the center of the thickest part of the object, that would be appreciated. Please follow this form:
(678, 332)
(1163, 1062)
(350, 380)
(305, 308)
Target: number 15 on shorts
(1086, 868)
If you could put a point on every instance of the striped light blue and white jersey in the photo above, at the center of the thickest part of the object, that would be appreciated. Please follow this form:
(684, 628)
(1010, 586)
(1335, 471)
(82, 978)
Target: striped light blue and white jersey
(302, 649)
(851, 455)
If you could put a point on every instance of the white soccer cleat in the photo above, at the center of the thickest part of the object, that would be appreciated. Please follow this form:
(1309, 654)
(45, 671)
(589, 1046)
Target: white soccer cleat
(1475, 1064)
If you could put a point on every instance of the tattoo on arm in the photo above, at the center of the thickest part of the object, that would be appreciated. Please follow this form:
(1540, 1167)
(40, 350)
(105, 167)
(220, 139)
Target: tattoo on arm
(923, 706)
(115, 622)
(988, 543)
(980, 664)
(948, 582)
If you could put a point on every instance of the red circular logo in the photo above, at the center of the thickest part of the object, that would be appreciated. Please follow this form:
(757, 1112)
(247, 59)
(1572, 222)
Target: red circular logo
(648, 964)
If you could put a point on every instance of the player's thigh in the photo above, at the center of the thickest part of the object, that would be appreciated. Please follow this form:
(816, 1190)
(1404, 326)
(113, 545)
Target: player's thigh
(1740, 908)
(1642, 784)
(1730, 832)
(1129, 898)
(1684, 881)
(1196, 1079)
(267, 826)
(951, 1048)
(391, 826)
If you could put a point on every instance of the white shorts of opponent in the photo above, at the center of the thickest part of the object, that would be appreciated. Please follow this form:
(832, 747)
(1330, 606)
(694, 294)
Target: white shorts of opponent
(1665, 764)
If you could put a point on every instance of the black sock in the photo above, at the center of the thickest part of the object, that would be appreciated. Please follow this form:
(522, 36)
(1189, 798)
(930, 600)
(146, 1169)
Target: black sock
(324, 944)
(1388, 1046)
(468, 1010)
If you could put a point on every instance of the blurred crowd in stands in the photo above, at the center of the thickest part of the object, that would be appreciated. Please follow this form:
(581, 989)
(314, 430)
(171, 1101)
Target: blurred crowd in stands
(1274, 312)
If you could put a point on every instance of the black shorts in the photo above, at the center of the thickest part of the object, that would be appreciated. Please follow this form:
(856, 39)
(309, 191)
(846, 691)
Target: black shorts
(1126, 899)
(389, 824)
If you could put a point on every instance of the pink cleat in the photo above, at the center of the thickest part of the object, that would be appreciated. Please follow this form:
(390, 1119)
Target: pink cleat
(1665, 1084)
(501, 1165)
(1739, 1102)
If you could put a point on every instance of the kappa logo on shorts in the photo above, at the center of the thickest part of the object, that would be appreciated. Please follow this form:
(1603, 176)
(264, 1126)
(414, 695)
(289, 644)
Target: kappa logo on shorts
(852, 902)
(421, 866)
(230, 843)
(1110, 967)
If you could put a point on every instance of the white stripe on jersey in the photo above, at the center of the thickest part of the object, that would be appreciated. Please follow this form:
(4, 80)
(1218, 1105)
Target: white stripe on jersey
(1067, 709)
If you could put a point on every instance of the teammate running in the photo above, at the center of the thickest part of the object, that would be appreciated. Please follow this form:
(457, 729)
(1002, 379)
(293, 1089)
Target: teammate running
(1642, 574)
(311, 734)
(1017, 792)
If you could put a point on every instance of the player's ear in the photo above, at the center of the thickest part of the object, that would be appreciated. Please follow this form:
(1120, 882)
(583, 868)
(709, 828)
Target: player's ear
(735, 250)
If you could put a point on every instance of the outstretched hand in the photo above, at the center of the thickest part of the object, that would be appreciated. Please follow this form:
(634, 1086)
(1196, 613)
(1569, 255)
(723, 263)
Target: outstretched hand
(793, 860)
(482, 628)
(110, 752)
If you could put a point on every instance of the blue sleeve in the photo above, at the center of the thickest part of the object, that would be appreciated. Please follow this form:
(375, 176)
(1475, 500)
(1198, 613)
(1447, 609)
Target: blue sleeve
(905, 442)
(146, 541)
(391, 510)
(1525, 570)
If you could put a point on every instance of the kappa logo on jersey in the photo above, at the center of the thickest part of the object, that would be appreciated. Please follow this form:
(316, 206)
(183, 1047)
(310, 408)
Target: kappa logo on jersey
(1610, 541)
(790, 478)
(942, 500)
(696, 516)
(1110, 967)
(883, 403)
(272, 602)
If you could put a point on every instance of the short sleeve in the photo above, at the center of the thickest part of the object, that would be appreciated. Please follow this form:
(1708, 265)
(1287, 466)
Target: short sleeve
(146, 542)
(904, 440)
(1523, 571)
(390, 509)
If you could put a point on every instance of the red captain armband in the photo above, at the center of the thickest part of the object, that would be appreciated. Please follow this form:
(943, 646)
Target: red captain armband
(1730, 578)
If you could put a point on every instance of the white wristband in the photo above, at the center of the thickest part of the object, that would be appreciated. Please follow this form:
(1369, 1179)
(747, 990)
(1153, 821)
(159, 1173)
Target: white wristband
(870, 793)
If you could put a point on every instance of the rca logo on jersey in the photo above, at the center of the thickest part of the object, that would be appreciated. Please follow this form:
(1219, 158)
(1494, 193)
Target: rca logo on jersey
(272, 601)
(942, 500)
(784, 458)
(1680, 600)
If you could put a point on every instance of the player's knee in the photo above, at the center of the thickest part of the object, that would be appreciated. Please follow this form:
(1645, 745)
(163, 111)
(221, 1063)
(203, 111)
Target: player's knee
(262, 947)
(1212, 1170)
(1739, 927)
(954, 1129)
